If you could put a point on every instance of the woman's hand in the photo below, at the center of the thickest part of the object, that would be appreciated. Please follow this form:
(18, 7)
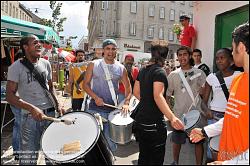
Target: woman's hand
(177, 124)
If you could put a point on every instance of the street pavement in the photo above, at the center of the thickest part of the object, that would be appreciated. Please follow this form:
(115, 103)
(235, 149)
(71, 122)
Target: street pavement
(125, 155)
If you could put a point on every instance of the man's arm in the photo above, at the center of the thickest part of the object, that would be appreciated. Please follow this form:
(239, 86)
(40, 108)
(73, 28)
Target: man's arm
(158, 90)
(11, 89)
(71, 80)
(193, 34)
(127, 86)
(78, 81)
(128, 91)
(136, 91)
(194, 38)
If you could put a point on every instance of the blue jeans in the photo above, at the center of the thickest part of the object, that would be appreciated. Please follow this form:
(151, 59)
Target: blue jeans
(31, 132)
(106, 130)
(16, 135)
(121, 97)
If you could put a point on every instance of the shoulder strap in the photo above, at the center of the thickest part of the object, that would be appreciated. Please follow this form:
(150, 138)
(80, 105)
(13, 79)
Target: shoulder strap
(186, 85)
(41, 81)
(110, 84)
(222, 84)
(37, 75)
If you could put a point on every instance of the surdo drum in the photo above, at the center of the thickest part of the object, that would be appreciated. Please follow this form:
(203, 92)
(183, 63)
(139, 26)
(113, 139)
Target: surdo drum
(191, 120)
(120, 124)
(94, 149)
(214, 143)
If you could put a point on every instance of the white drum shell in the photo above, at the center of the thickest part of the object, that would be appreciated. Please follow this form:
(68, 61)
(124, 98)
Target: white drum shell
(214, 143)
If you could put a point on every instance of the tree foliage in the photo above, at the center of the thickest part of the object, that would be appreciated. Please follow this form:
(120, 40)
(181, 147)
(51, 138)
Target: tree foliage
(56, 23)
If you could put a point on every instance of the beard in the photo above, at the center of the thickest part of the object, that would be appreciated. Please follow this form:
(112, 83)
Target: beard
(128, 66)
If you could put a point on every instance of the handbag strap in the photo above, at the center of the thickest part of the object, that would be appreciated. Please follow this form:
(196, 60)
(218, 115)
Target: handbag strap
(222, 84)
(190, 92)
(110, 84)
(40, 79)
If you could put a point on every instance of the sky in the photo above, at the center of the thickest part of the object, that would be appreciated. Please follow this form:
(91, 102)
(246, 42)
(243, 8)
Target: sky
(76, 12)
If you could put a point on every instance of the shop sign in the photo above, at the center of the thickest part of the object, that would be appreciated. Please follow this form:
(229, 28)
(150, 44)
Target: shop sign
(131, 46)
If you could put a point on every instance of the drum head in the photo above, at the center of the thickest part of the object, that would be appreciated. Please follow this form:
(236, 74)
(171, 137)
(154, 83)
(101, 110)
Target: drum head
(115, 117)
(132, 104)
(214, 143)
(190, 119)
(85, 130)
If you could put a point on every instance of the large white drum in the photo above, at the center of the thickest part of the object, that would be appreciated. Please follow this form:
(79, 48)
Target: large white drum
(94, 147)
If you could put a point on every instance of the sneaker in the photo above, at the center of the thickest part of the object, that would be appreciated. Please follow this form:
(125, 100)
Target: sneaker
(174, 163)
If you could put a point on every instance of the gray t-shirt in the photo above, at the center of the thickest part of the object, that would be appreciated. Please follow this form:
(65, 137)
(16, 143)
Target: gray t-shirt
(29, 88)
(182, 99)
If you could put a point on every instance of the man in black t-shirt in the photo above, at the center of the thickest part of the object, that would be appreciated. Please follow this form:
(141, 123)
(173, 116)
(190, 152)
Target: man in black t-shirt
(197, 55)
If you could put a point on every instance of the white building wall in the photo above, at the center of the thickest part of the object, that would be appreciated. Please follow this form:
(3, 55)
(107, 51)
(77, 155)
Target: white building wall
(204, 21)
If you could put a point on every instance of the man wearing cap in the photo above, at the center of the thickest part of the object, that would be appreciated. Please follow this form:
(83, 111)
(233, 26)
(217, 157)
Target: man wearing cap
(132, 74)
(105, 74)
(188, 35)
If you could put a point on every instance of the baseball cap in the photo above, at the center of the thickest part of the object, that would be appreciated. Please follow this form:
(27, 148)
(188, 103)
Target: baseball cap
(129, 56)
(108, 42)
(184, 17)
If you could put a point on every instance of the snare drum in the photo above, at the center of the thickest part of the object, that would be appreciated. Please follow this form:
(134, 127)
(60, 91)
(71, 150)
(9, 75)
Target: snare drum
(94, 147)
(191, 120)
(214, 143)
(120, 127)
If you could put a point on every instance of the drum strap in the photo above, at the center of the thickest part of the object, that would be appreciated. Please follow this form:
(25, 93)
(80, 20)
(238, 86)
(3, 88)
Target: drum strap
(110, 84)
(41, 80)
(222, 84)
(187, 86)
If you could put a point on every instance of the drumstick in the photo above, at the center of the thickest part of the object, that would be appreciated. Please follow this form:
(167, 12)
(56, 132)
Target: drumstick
(112, 106)
(66, 121)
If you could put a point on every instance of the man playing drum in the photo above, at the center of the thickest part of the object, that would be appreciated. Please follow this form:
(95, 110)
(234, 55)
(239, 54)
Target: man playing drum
(105, 74)
(195, 78)
(32, 101)
(234, 127)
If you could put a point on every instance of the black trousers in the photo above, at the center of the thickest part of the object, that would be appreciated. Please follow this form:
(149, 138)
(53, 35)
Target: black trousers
(152, 141)
(77, 104)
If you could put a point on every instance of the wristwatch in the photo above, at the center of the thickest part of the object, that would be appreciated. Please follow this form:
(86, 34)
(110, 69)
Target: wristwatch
(204, 134)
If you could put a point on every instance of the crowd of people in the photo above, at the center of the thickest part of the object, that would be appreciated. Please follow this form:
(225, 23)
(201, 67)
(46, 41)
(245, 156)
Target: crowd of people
(221, 98)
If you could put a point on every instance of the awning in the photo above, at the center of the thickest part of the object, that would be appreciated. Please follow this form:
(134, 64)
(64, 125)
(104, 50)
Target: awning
(16, 27)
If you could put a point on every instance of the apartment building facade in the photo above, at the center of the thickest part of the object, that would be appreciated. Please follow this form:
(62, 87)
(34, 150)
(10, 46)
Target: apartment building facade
(16, 10)
(134, 24)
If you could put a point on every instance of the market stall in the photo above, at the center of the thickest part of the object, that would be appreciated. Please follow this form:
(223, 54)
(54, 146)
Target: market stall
(12, 30)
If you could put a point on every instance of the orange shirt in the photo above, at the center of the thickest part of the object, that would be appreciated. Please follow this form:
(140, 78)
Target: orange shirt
(235, 132)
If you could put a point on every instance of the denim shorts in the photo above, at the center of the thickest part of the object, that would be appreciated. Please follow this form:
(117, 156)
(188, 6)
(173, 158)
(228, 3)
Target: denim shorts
(218, 115)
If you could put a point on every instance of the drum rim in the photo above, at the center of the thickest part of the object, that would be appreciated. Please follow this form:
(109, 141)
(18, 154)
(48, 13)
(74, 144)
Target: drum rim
(116, 124)
(81, 155)
(195, 122)
(210, 147)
